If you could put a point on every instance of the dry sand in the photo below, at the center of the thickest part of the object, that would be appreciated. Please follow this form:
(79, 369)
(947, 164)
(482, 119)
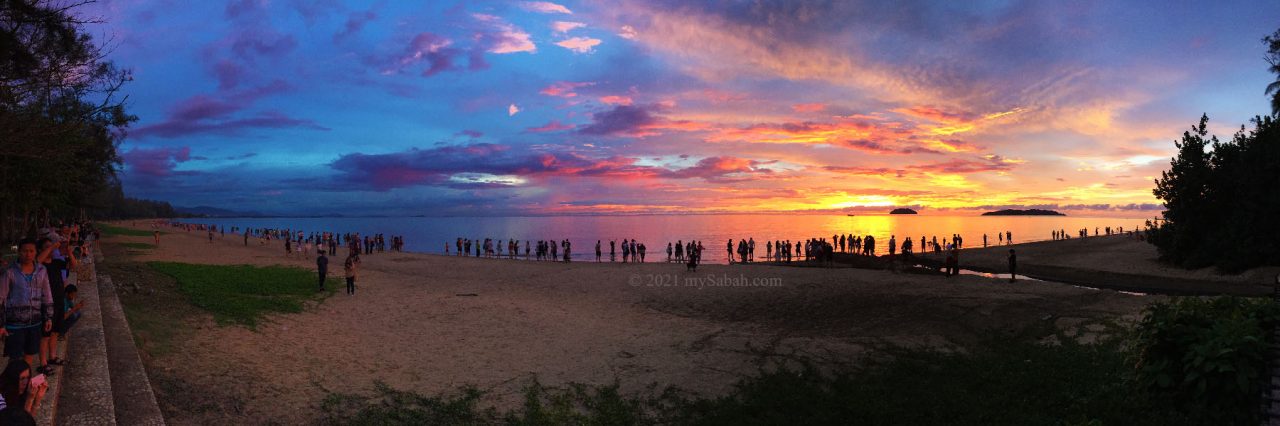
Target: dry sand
(579, 322)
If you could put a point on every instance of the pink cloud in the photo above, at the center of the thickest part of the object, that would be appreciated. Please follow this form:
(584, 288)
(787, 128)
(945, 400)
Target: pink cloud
(564, 89)
(562, 27)
(553, 126)
(508, 38)
(355, 22)
(579, 44)
(545, 7)
(616, 100)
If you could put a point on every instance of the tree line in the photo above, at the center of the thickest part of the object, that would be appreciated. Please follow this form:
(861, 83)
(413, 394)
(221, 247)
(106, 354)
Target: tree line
(1222, 199)
(62, 118)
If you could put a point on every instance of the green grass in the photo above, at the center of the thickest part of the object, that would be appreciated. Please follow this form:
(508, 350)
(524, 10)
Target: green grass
(138, 246)
(1015, 382)
(110, 230)
(244, 294)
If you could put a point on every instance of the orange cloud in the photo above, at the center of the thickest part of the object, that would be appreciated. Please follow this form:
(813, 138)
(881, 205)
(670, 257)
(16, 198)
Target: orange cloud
(803, 108)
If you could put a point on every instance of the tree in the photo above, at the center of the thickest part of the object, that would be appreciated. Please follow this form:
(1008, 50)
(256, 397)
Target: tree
(60, 121)
(1221, 204)
(1273, 58)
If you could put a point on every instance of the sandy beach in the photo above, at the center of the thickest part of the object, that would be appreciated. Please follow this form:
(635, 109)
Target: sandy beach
(432, 323)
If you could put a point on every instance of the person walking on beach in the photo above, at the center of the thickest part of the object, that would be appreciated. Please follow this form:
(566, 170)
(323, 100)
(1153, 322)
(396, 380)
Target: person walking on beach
(1008, 237)
(597, 251)
(1013, 266)
(322, 266)
(350, 268)
(729, 248)
(668, 251)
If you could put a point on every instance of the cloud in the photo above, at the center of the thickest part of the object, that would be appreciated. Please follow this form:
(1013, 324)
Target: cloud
(628, 32)
(579, 44)
(512, 110)
(564, 89)
(545, 7)
(616, 100)
(552, 126)
(156, 163)
(561, 27)
(803, 108)
(501, 166)
(355, 22)
(430, 48)
(470, 133)
(211, 114)
(503, 37)
(621, 120)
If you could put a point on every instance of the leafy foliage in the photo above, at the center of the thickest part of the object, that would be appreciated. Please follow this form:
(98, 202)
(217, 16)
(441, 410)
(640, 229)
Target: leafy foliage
(1206, 356)
(1220, 199)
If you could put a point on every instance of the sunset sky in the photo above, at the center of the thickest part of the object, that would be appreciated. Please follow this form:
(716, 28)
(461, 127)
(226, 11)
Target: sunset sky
(640, 106)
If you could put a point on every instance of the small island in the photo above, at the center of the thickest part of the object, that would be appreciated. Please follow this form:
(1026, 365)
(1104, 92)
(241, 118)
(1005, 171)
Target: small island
(902, 210)
(1028, 212)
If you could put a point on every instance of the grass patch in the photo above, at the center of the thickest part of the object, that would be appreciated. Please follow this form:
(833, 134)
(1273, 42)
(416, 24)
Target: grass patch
(243, 294)
(1014, 382)
(110, 230)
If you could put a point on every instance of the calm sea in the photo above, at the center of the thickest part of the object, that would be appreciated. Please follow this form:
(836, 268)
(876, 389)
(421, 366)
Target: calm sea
(430, 234)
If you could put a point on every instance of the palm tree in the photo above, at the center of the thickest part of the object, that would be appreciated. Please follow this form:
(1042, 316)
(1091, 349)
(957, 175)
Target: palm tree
(1273, 57)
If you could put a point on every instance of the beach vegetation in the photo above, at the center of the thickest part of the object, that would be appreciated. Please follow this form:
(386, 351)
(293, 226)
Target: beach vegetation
(244, 294)
(1207, 358)
(1011, 381)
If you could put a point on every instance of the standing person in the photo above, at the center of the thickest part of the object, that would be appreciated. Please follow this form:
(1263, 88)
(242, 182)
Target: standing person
(1013, 266)
(322, 266)
(1008, 237)
(597, 251)
(156, 234)
(246, 238)
(26, 303)
(350, 267)
(56, 258)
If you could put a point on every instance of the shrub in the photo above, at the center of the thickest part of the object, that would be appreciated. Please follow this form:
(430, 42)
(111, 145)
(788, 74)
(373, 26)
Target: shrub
(1207, 357)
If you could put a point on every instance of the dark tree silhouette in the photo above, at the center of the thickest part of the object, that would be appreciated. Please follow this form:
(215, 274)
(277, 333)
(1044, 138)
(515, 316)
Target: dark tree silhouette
(60, 118)
(1273, 58)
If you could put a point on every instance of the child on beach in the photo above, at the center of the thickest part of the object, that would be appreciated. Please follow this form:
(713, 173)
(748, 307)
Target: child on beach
(349, 268)
(72, 310)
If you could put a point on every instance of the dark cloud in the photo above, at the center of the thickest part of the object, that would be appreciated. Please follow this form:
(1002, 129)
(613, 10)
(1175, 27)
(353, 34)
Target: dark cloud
(355, 22)
(215, 115)
(483, 165)
(621, 120)
(156, 163)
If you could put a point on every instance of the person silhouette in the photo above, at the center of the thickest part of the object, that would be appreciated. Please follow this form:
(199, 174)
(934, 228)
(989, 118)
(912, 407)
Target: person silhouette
(1013, 266)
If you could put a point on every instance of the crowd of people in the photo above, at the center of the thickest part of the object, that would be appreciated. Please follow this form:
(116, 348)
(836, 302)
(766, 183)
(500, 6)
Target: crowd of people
(38, 303)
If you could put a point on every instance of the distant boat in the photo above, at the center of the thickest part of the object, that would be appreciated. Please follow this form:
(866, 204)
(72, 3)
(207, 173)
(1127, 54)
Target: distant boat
(850, 214)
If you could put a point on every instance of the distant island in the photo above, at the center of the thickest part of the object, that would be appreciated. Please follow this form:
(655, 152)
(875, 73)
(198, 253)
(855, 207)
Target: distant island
(1029, 212)
(902, 210)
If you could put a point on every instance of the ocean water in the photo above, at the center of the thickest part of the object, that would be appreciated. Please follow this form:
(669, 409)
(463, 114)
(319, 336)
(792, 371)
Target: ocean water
(430, 234)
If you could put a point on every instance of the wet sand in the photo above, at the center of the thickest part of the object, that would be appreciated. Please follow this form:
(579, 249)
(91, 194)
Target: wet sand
(432, 323)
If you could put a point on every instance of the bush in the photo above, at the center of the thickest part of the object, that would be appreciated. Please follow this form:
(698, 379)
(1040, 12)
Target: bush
(1207, 357)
